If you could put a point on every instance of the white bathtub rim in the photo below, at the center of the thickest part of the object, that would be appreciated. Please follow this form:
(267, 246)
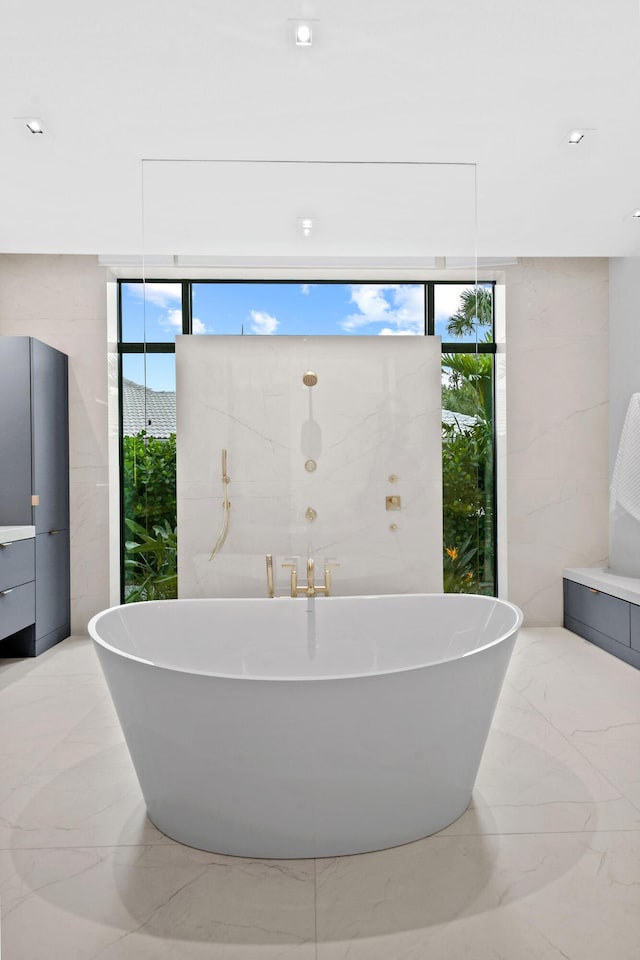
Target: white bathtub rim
(99, 641)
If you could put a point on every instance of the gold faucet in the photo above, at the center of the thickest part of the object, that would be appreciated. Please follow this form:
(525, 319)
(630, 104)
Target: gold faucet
(269, 559)
(311, 587)
(308, 589)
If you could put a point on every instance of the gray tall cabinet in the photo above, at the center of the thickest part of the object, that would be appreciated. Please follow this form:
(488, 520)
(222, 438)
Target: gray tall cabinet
(34, 480)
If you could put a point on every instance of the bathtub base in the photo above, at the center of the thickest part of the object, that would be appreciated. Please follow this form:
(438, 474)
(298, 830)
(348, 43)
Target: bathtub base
(256, 844)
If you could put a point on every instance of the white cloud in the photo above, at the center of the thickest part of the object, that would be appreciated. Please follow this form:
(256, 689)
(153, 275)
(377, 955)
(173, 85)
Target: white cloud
(386, 332)
(306, 288)
(160, 294)
(263, 322)
(172, 320)
(400, 306)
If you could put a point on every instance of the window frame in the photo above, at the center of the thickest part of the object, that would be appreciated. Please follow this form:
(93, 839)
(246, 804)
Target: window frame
(151, 347)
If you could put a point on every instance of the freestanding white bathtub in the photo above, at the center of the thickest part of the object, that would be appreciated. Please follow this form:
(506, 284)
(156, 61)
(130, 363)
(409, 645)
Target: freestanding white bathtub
(285, 728)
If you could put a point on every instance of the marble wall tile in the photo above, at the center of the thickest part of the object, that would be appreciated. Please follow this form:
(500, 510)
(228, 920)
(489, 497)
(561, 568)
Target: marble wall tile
(375, 412)
(61, 300)
(624, 354)
(64, 289)
(556, 397)
(557, 421)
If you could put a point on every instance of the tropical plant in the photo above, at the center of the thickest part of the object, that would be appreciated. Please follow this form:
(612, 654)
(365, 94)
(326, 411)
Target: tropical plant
(149, 500)
(469, 383)
(467, 454)
(475, 309)
(149, 478)
(151, 563)
(460, 568)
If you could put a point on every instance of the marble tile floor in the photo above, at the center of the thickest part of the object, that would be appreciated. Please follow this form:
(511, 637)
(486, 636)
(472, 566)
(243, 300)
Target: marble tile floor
(545, 864)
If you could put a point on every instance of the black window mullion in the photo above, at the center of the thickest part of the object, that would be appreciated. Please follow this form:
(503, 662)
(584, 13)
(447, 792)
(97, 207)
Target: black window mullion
(187, 306)
(131, 347)
(431, 308)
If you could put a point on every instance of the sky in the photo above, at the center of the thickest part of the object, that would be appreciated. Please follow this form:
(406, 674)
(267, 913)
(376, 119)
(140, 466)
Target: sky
(267, 309)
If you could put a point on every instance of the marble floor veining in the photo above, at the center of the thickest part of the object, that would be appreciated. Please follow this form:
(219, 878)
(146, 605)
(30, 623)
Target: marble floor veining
(545, 864)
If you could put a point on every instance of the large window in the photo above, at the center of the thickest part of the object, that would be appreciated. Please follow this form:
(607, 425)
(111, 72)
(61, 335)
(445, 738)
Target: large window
(152, 313)
(464, 318)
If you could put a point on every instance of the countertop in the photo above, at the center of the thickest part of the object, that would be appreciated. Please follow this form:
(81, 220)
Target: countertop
(600, 578)
(9, 534)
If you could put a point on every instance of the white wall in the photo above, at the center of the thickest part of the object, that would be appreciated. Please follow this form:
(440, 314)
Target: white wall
(557, 426)
(61, 300)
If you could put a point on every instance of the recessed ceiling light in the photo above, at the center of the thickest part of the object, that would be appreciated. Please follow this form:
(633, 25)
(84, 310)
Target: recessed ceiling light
(306, 225)
(34, 126)
(576, 136)
(636, 214)
(303, 35)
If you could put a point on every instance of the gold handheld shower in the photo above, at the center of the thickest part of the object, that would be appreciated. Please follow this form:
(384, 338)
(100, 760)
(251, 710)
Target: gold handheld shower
(226, 507)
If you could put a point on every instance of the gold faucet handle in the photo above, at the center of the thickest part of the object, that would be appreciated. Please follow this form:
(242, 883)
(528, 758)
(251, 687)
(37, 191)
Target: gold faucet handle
(269, 562)
(329, 565)
(293, 566)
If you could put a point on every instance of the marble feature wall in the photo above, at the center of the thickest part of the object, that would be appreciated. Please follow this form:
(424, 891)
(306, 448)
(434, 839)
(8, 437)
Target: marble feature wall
(557, 426)
(624, 339)
(61, 300)
(375, 412)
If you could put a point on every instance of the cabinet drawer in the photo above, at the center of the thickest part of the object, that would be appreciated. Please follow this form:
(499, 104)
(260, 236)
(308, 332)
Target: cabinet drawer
(52, 582)
(17, 564)
(17, 609)
(604, 613)
(635, 626)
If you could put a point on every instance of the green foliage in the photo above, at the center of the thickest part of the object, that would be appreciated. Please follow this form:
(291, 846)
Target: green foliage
(151, 563)
(467, 464)
(149, 479)
(475, 310)
(149, 494)
(459, 568)
(470, 383)
(467, 508)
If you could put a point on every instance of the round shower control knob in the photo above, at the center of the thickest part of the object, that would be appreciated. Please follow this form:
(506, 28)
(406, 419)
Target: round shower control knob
(310, 465)
(310, 378)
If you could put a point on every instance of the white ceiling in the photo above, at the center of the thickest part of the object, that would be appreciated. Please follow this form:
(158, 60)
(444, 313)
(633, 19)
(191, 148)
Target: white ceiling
(492, 88)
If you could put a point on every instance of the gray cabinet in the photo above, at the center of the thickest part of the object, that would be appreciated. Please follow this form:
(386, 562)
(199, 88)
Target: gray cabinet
(17, 588)
(610, 622)
(634, 611)
(34, 481)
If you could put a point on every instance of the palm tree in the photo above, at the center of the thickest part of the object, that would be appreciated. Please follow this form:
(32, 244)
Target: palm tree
(475, 370)
(475, 309)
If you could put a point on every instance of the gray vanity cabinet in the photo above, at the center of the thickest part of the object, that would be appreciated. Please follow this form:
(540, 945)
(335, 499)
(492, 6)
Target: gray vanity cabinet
(610, 622)
(635, 627)
(17, 588)
(34, 479)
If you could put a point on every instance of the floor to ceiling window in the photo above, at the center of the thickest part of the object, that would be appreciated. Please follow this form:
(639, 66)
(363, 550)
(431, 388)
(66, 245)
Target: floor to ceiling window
(150, 316)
